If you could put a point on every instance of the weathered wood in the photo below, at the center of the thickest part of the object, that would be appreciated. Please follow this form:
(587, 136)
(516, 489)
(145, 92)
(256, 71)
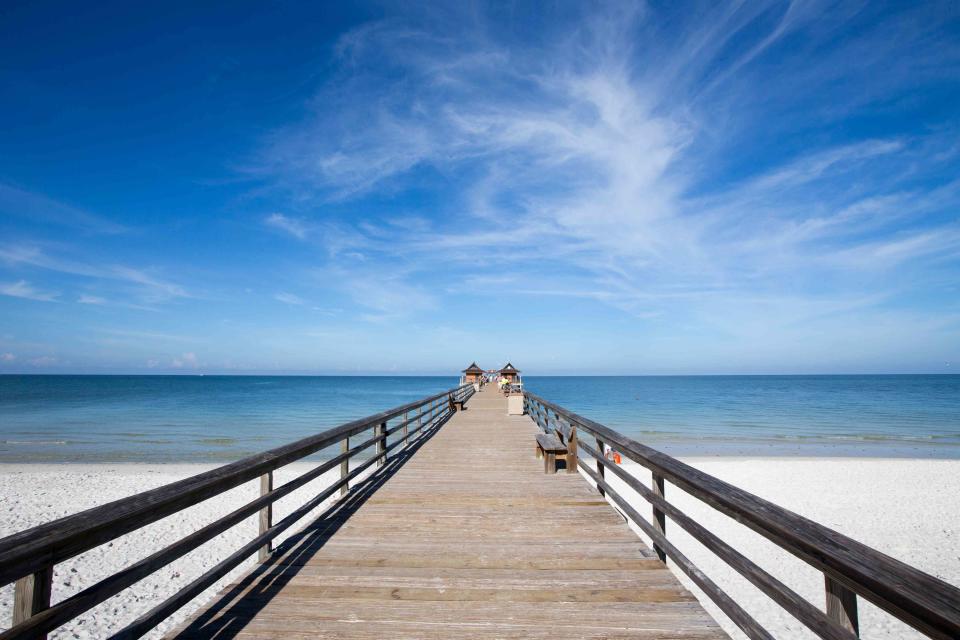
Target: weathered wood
(344, 466)
(549, 461)
(842, 605)
(659, 518)
(730, 607)
(598, 461)
(34, 549)
(919, 599)
(444, 549)
(792, 602)
(380, 432)
(31, 595)
(266, 515)
(406, 421)
(572, 450)
(61, 612)
(153, 617)
(550, 442)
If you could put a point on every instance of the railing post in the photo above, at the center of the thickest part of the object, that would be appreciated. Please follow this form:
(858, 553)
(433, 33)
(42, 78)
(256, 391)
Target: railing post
(381, 444)
(344, 466)
(600, 464)
(842, 605)
(266, 515)
(659, 517)
(572, 450)
(31, 595)
(406, 419)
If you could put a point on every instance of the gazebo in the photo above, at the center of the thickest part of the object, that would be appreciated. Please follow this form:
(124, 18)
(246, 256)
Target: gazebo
(473, 373)
(511, 373)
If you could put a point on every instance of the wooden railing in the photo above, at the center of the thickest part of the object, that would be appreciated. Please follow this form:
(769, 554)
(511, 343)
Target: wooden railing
(850, 568)
(28, 557)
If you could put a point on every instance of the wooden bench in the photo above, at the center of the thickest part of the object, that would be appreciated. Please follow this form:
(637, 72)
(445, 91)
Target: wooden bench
(456, 405)
(562, 442)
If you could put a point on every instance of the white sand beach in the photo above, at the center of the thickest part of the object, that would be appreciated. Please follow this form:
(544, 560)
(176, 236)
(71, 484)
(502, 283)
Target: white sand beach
(906, 508)
(34, 494)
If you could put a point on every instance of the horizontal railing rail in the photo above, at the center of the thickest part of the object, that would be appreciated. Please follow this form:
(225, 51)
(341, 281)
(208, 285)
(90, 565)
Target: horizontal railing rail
(28, 557)
(850, 568)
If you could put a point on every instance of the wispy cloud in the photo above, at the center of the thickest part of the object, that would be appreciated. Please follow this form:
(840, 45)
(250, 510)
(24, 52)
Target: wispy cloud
(186, 361)
(23, 289)
(38, 207)
(293, 226)
(150, 288)
(604, 164)
(289, 298)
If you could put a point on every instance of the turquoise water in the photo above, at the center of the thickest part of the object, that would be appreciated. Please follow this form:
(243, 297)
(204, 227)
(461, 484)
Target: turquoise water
(220, 418)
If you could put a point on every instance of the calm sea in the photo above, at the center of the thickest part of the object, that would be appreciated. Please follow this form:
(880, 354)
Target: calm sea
(220, 418)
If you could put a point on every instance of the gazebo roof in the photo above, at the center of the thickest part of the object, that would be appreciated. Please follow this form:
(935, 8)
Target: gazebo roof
(473, 368)
(509, 368)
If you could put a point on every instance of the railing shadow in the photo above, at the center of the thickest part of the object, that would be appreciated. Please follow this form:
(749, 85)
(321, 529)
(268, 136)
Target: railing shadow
(234, 609)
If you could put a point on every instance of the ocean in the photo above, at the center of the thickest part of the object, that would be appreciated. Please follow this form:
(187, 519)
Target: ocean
(163, 419)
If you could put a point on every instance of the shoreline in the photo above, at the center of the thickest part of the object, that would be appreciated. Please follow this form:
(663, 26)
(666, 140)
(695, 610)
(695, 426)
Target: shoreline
(878, 501)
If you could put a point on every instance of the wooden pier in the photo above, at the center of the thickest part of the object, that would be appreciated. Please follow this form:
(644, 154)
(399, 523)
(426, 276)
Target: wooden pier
(468, 538)
(444, 524)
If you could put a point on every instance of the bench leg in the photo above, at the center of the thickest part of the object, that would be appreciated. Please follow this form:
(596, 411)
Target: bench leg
(539, 451)
(550, 462)
(571, 463)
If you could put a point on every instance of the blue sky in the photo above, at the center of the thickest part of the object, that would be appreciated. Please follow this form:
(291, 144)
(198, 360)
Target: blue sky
(659, 188)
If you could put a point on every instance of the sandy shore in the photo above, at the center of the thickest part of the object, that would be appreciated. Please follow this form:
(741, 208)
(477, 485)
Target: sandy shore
(34, 494)
(906, 508)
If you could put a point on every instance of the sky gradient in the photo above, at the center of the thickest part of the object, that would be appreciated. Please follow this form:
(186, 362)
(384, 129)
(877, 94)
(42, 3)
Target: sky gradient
(596, 188)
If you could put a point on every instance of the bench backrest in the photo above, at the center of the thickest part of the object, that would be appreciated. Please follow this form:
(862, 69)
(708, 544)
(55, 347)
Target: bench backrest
(563, 430)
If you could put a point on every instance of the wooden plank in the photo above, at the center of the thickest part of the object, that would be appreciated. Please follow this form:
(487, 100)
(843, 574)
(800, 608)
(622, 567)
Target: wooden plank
(780, 593)
(447, 549)
(550, 442)
(266, 515)
(659, 517)
(841, 605)
(345, 466)
(31, 595)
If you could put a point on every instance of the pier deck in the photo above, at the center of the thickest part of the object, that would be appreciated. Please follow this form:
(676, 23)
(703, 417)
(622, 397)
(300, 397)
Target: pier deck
(464, 537)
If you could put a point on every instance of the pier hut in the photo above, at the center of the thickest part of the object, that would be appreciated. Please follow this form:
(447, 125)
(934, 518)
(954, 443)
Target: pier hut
(510, 373)
(472, 374)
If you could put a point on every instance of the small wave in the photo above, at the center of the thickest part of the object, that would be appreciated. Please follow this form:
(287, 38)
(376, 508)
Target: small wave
(37, 442)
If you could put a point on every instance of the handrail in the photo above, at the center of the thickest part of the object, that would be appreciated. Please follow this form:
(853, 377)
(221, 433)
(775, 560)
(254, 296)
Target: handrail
(851, 568)
(29, 556)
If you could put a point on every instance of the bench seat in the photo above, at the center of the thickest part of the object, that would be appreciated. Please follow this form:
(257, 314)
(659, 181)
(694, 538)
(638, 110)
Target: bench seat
(550, 442)
(549, 446)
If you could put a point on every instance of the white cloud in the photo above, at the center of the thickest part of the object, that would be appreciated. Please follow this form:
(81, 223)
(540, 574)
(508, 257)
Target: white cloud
(7, 357)
(186, 361)
(289, 298)
(38, 207)
(88, 299)
(43, 361)
(149, 287)
(598, 166)
(23, 289)
(293, 226)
